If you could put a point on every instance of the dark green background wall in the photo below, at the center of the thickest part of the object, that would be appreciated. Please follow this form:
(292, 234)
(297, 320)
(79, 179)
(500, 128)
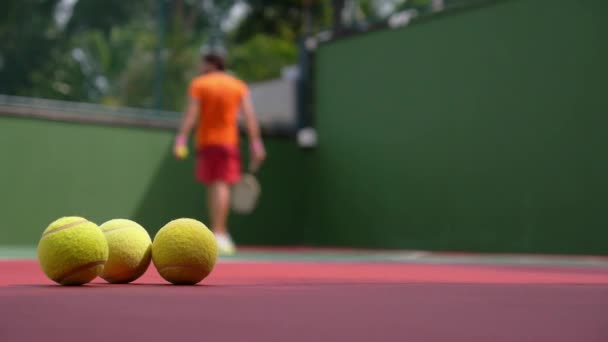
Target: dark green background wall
(483, 130)
(479, 130)
(51, 169)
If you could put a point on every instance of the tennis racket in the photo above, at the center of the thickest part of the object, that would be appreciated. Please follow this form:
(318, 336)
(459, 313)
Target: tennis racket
(245, 194)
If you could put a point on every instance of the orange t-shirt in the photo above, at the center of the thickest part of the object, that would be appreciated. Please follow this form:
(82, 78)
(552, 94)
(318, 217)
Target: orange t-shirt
(219, 97)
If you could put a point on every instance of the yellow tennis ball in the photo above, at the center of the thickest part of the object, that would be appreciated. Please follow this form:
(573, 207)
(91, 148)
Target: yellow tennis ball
(184, 251)
(130, 251)
(72, 251)
(182, 152)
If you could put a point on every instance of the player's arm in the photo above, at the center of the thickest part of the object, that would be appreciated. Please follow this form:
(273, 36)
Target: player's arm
(180, 149)
(256, 146)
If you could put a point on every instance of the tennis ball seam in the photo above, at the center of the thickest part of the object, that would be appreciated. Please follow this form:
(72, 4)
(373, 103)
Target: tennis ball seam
(119, 278)
(79, 269)
(193, 267)
(105, 231)
(69, 225)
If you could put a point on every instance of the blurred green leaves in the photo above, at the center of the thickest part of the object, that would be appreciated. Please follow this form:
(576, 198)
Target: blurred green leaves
(262, 57)
(105, 51)
(27, 36)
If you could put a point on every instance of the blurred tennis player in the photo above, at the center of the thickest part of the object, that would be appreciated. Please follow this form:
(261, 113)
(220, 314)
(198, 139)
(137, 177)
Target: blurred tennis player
(216, 99)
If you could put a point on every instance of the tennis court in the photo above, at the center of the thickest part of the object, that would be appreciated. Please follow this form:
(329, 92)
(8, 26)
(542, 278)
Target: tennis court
(321, 295)
(433, 170)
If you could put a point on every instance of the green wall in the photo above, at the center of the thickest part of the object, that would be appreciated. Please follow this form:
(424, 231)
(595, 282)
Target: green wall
(51, 169)
(480, 130)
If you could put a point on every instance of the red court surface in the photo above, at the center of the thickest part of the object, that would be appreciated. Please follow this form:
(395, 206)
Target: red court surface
(315, 301)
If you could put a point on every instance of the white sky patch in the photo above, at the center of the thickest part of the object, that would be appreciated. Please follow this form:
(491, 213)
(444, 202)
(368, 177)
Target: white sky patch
(101, 82)
(63, 12)
(384, 8)
(235, 16)
(78, 55)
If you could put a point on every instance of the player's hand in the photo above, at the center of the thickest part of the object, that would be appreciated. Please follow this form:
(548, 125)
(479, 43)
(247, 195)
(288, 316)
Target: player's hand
(180, 149)
(257, 154)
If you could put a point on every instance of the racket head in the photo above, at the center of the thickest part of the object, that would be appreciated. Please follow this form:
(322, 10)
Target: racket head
(245, 194)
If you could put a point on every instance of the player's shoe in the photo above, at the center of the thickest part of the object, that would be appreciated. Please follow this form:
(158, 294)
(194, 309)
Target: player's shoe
(225, 244)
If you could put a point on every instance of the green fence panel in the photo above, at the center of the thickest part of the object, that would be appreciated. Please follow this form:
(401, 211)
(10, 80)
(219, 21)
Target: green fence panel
(480, 130)
(51, 169)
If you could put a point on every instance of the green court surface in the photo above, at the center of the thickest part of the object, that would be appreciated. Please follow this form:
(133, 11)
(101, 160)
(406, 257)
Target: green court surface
(305, 254)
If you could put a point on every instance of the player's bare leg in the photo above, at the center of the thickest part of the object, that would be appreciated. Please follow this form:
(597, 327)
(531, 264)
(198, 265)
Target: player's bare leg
(218, 198)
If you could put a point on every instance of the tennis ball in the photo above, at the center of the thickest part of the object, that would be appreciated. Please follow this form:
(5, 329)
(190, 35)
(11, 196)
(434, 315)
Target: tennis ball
(130, 249)
(72, 251)
(184, 251)
(182, 152)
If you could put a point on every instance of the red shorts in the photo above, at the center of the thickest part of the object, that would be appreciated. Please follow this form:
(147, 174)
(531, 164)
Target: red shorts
(218, 163)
